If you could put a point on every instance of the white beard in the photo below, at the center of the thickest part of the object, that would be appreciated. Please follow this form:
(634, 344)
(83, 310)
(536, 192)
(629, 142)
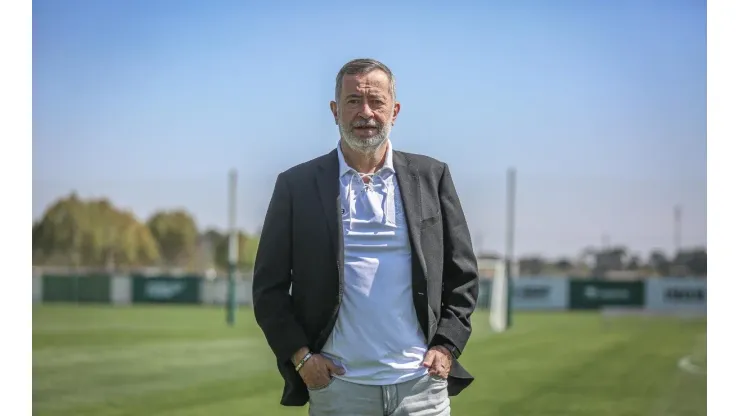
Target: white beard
(367, 145)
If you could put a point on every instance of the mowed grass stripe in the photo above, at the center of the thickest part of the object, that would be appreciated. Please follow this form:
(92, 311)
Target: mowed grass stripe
(74, 325)
(585, 369)
(549, 363)
(147, 371)
(122, 363)
(685, 394)
(66, 356)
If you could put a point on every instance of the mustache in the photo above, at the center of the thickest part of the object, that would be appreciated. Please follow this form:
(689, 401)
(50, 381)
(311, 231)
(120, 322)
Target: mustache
(366, 123)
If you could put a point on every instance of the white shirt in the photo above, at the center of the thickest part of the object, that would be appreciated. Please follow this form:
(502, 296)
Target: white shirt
(377, 337)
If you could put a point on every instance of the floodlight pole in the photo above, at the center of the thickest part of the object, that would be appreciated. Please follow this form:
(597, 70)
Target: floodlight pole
(233, 252)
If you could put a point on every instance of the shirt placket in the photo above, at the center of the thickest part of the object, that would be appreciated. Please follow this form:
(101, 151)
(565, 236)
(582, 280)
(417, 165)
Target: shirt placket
(349, 197)
(384, 191)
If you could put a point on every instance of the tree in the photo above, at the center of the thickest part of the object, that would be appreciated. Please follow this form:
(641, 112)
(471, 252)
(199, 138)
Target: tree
(634, 263)
(91, 233)
(694, 261)
(531, 266)
(213, 237)
(563, 265)
(61, 230)
(698, 262)
(176, 234)
(659, 263)
(246, 254)
(129, 242)
(610, 259)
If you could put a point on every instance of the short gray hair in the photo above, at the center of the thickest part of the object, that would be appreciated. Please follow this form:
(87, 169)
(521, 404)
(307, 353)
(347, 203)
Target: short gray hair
(363, 66)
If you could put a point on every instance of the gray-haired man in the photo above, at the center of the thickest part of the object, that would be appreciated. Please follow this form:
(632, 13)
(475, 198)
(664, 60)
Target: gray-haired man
(365, 277)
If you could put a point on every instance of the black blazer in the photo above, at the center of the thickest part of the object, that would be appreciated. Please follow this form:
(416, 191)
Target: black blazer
(298, 273)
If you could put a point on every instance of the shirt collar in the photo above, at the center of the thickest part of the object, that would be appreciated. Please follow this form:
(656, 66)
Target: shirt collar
(344, 168)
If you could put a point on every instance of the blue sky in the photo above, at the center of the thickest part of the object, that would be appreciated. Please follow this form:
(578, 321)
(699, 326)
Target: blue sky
(601, 106)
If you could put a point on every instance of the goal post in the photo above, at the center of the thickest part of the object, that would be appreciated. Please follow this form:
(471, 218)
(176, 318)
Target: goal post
(500, 295)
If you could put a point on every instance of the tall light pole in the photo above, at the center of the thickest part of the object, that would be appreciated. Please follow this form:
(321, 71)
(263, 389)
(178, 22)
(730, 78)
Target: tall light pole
(233, 252)
(510, 227)
(677, 228)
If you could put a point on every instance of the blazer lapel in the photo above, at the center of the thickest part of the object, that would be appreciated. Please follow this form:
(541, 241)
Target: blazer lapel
(327, 181)
(408, 180)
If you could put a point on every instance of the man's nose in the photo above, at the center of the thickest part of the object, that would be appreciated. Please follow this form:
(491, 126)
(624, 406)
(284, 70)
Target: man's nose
(366, 112)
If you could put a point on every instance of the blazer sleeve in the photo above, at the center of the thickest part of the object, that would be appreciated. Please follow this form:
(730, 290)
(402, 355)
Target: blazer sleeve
(460, 272)
(271, 281)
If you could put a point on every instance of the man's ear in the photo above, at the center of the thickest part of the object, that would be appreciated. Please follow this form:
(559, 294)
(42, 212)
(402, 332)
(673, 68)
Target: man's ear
(334, 110)
(396, 110)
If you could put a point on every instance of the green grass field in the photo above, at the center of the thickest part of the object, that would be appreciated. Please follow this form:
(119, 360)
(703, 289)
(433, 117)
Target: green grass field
(184, 361)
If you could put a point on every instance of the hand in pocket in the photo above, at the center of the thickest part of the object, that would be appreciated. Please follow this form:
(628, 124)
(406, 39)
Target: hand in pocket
(318, 371)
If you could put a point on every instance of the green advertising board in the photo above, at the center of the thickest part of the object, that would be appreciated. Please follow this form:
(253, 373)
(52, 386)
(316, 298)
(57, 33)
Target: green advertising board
(76, 288)
(595, 294)
(164, 289)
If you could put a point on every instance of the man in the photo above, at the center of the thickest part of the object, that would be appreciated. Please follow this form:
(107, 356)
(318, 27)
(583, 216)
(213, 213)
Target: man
(365, 277)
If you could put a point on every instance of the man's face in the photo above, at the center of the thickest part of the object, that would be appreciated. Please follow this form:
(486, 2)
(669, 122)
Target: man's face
(365, 111)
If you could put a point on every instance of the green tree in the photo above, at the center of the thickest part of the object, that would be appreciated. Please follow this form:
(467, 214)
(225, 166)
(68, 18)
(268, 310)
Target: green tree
(176, 234)
(563, 265)
(138, 241)
(659, 263)
(694, 261)
(61, 230)
(531, 266)
(92, 233)
(246, 254)
(634, 263)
